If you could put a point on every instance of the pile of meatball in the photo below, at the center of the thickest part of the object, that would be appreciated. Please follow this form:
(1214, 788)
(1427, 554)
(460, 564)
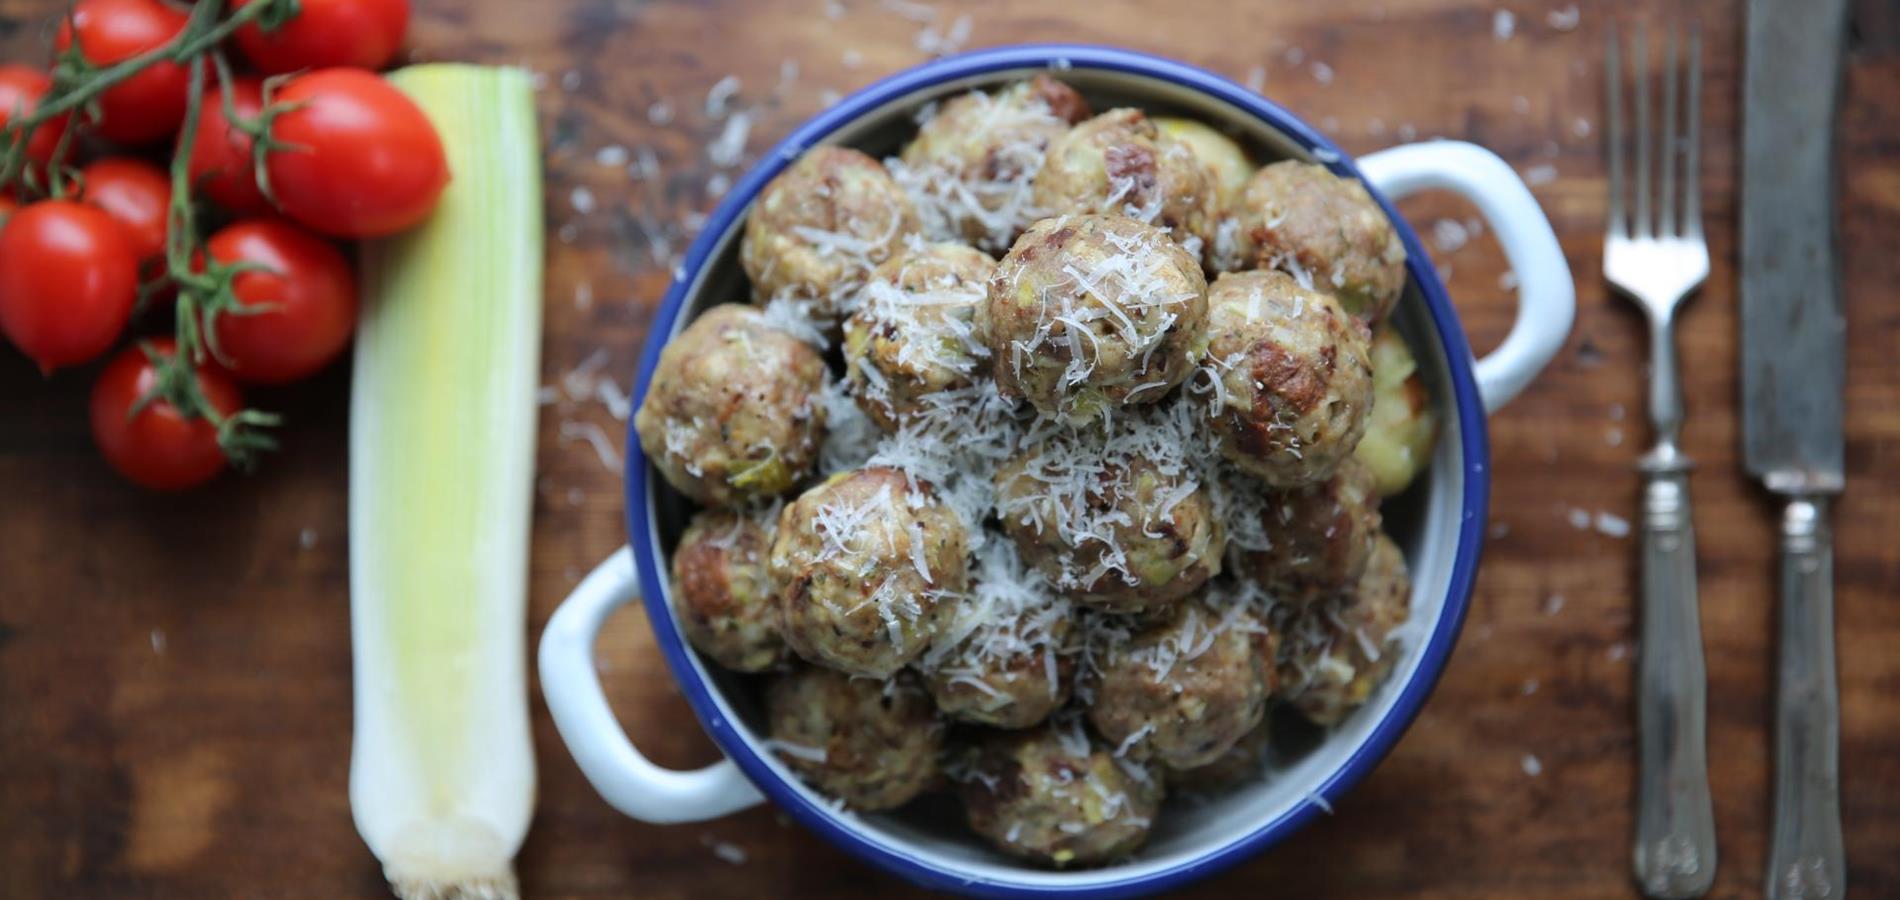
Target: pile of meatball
(1046, 458)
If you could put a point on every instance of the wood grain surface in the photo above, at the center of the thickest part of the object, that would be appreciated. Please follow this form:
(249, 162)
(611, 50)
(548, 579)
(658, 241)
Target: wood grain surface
(175, 672)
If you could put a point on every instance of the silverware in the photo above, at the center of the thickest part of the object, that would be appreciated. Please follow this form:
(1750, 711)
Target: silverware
(1793, 336)
(1655, 255)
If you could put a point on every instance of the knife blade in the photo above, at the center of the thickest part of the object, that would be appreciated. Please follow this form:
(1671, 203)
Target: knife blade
(1793, 372)
(1792, 326)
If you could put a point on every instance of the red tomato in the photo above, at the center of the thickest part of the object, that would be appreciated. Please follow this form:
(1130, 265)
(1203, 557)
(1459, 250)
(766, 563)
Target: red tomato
(157, 447)
(137, 194)
(325, 33)
(147, 106)
(68, 279)
(309, 289)
(21, 89)
(368, 162)
(7, 206)
(221, 155)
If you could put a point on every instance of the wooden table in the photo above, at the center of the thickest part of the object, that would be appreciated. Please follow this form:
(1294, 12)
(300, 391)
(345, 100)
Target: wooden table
(175, 672)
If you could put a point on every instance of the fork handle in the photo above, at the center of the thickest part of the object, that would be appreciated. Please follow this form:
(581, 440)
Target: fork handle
(1675, 821)
(1805, 858)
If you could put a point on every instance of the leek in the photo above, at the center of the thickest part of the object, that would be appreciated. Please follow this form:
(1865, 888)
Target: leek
(442, 437)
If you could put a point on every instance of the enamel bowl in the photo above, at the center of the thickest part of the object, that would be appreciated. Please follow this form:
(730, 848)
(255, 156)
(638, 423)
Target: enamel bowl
(1439, 521)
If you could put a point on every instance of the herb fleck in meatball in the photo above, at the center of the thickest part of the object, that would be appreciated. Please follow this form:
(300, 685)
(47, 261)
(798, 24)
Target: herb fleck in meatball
(971, 168)
(731, 414)
(1119, 162)
(1328, 232)
(818, 229)
(1402, 426)
(1244, 762)
(1293, 377)
(1115, 518)
(1006, 657)
(1319, 536)
(872, 744)
(1336, 654)
(1051, 796)
(722, 592)
(1220, 153)
(916, 333)
(1088, 313)
(863, 565)
(1182, 691)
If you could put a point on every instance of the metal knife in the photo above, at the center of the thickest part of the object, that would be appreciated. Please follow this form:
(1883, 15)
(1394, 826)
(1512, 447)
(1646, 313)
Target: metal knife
(1793, 341)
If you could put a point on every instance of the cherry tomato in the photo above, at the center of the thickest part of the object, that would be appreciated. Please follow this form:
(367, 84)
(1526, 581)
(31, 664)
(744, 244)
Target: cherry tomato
(157, 447)
(147, 106)
(68, 279)
(221, 155)
(324, 33)
(137, 194)
(310, 292)
(7, 206)
(20, 90)
(367, 162)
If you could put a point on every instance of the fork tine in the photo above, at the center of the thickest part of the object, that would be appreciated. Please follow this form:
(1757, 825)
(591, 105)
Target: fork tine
(1670, 149)
(1692, 151)
(1613, 135)
(1639, 59)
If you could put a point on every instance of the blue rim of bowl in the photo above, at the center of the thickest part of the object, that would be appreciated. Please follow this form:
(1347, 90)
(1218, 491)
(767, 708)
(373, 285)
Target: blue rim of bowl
(1472, 435)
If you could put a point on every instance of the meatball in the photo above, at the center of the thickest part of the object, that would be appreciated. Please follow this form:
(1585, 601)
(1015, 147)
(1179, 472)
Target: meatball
(915, 333)
(1087, 313)
(1336, 655)
(1119, 162)
(1221, 154)
(723, 593)
(1052, 796)
(873, 744)
(1183, 691)
(1118, 521)
(1294, 377)
(818, 229)
(862, 566)
(1006, 659)
(1243, 762)
(1328, 232)
(731, 414)
(1402, 426)
(972, 166)
(1319, 536)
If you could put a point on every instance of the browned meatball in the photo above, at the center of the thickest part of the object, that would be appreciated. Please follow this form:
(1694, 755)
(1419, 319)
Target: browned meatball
(1328, 232)
(1221, 154)
(1090, 313)
(1052, 796)
(1007, 657)
(1115, 519)
(971, 169)
(1119, 162)
(820, 227)
(731, 414)
(916, 333)
(723, 593)
(1244, 762)
(862, 566)
(872, 744)
(1336, 654)
(1320, 536)
(1182, 691)
(1292, 377)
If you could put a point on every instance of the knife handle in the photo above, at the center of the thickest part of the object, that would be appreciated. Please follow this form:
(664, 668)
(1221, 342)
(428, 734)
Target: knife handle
(1675, 819)
(1805, 857)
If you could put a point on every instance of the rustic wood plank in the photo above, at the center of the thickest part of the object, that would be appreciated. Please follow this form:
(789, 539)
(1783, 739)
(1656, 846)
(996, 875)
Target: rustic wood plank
(174, 672)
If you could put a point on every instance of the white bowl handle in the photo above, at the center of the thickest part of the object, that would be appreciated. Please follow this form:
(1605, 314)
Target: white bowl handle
(1546, 297)
(571, 684)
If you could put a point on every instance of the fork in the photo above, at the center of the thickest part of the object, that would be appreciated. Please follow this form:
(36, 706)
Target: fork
(1654, 253)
